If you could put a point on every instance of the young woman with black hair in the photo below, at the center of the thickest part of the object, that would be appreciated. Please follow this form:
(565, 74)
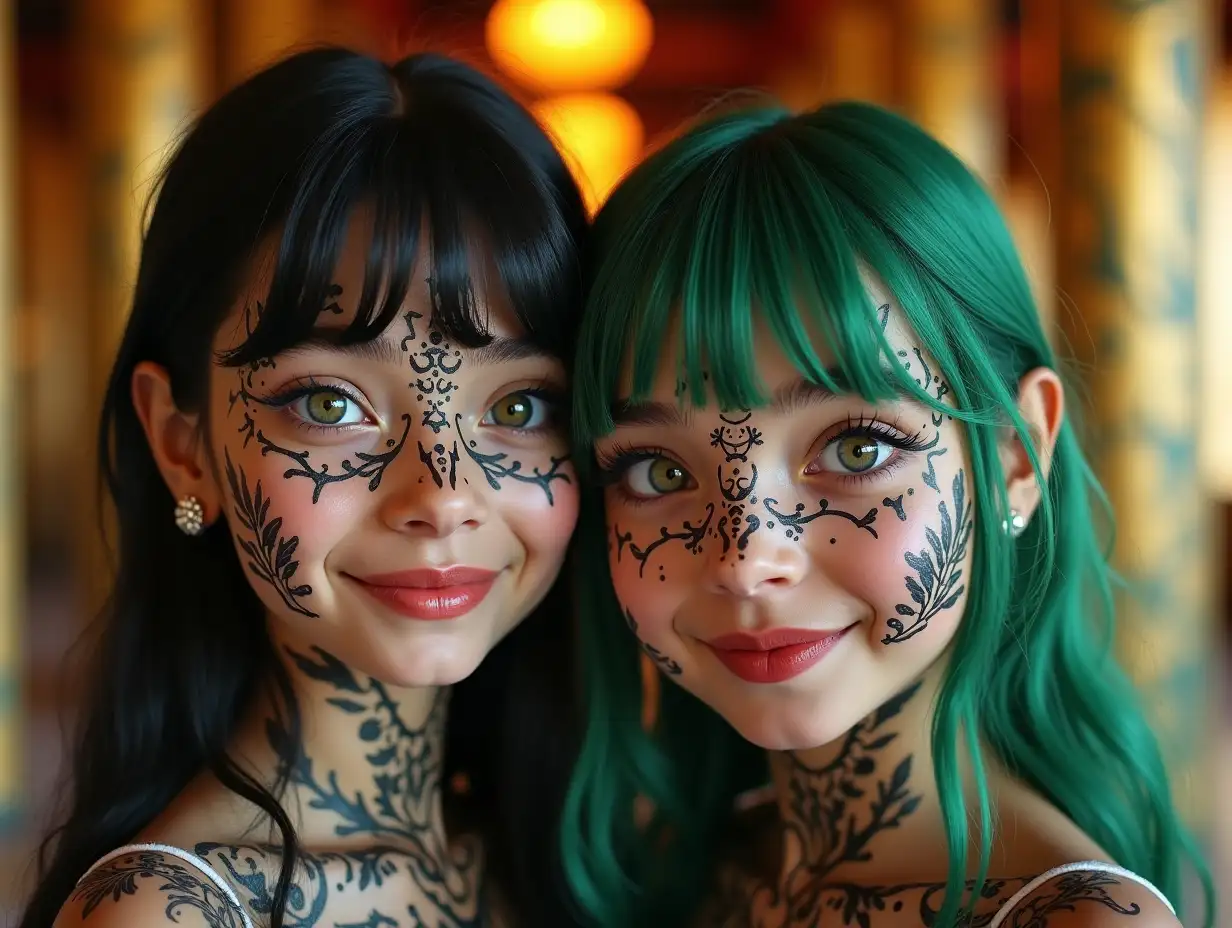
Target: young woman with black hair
(332, 678)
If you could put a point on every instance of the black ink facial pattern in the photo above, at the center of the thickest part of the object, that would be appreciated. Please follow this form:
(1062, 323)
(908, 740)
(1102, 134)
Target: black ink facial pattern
(736, 436)
(497, 467)
(180, 888)
(270, 555)
(896, 503)
(691, 535)
(795, 521)
(661, 660)
(397, 810)
(370, 467)
(435, 362)
(938, 569)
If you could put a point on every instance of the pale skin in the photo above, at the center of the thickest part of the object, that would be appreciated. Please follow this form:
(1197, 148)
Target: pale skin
(810, 513)
(434, 431)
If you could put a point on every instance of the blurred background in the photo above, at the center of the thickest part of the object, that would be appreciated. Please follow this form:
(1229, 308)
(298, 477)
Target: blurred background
(1103, 127)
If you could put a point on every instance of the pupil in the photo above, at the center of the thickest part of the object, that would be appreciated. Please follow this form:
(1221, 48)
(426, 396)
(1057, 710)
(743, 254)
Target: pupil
(861, 454)
(327, 407)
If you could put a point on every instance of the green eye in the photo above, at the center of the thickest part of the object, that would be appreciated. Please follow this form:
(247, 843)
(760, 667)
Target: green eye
(520, 410)
(326, 407)
(858, 453)
(666, 476)
(513, 411)
(659, 476)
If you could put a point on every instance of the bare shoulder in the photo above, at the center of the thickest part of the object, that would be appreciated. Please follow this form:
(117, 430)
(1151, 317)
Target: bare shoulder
(148, 889)
(1092, 899)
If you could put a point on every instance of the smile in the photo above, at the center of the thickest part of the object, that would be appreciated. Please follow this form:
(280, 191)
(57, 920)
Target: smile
(430, 595)
(774, 656)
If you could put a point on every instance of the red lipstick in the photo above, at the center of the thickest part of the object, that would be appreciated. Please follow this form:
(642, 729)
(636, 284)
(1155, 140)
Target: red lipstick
(431, 595)
(775, 655)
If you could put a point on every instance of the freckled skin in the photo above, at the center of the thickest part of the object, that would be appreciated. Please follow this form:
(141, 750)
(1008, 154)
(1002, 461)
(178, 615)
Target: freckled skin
(825, 574)
(406, 520)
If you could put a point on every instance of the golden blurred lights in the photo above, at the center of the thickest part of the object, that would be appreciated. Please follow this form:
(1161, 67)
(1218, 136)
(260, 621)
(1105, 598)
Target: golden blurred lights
(569, 45)
(601, 136)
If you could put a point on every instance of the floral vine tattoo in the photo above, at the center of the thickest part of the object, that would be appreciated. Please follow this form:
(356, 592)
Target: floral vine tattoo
(371, 466)
(270, 555)
(406, 764)
(1066, 891)
(795, 521)
(661, 660)
(497, 467)
(119, 877)
(691, 535)
(938, 569)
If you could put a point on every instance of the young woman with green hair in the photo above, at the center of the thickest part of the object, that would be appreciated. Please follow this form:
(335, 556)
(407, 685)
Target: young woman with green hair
(837, 500)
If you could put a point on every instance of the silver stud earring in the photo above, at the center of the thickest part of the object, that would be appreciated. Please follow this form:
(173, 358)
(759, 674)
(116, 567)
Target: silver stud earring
(1016, 524)
(189, 515)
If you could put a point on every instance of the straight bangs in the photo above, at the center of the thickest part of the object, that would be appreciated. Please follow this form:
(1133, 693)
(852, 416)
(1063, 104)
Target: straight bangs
(433, 172)
(742, 233)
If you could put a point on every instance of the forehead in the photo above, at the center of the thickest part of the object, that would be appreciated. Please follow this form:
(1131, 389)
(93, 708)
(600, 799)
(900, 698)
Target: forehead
(491, 301)
(774, 368)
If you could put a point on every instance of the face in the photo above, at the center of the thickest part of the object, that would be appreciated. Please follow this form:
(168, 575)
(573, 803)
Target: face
(403, 503)
(794, 566)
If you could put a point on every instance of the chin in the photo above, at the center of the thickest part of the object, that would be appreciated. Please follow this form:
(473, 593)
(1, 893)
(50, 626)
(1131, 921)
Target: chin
(778, 729)
(426, 666)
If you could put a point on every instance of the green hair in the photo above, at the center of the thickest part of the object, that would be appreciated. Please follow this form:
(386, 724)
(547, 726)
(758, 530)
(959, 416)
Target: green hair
(771, 214)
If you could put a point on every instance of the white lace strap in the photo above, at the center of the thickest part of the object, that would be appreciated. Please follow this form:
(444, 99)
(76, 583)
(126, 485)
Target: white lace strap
(1082, 866)
(188, 857)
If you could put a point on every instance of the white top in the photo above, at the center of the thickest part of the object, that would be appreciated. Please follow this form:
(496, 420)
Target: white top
(188, 857)
(1081, 866)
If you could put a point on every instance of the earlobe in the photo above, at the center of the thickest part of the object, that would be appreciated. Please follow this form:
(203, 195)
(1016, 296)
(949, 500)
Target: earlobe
(175, 442)
(1041, 404)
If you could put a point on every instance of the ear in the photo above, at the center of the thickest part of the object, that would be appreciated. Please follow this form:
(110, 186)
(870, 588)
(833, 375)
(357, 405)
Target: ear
(1041, 403)
(175, 440)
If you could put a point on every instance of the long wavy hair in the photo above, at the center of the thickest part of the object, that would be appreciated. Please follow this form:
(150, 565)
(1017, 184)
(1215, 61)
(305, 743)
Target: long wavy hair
(291, 154)
(764, 214)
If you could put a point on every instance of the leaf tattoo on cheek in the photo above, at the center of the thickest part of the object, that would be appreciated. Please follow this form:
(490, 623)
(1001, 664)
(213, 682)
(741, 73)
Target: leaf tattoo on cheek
(938, 569)
(270, 555)
(661, 660)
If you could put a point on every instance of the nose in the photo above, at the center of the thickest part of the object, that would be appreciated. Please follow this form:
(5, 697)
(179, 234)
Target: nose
(751, 559)
(432, 497)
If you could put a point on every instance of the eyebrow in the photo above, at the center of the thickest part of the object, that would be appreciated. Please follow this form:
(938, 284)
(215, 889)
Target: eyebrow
(500, 349)
(793, 396)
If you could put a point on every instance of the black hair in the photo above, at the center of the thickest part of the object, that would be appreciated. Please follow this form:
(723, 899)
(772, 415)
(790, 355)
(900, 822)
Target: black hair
(430, 146)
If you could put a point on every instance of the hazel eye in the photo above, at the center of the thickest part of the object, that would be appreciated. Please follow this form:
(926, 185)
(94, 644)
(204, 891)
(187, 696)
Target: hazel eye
(328, 407)
(657, 476)
(854, 454)
(519, 411)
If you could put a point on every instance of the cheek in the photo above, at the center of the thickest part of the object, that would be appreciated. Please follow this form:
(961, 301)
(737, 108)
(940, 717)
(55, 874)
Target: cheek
(543, 525)
(282, 538)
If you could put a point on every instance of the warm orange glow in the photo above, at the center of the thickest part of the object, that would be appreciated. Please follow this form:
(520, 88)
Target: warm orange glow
(601, 136)
(569, 45)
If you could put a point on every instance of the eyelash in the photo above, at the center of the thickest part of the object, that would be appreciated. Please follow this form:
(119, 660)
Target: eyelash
(550, 395)
(309, 387)
(613, 464)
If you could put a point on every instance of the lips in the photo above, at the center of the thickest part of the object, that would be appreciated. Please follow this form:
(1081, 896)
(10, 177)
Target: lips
(431, 594)
(776, 655)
